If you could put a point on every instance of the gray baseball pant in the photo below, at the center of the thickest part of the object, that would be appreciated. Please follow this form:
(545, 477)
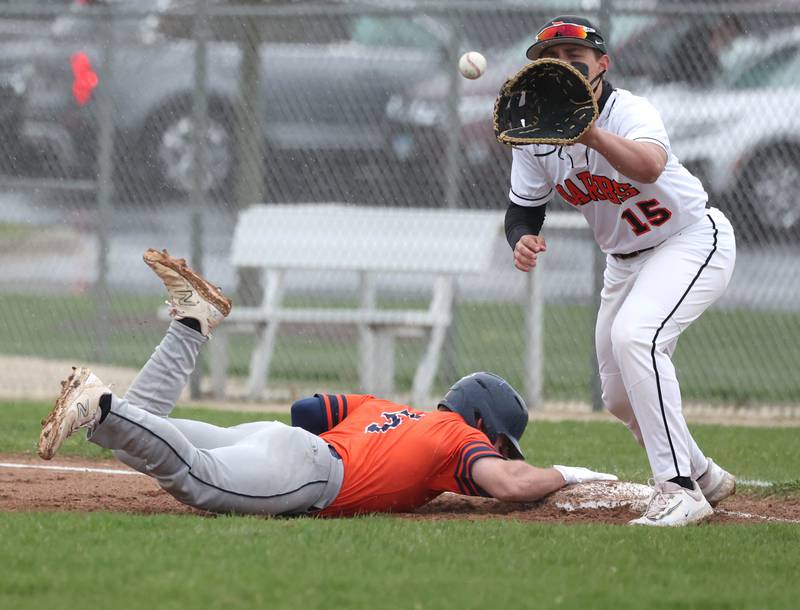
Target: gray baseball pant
(259, 467)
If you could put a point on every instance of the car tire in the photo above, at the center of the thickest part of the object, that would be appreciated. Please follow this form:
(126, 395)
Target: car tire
(767, 197)
(168, 150)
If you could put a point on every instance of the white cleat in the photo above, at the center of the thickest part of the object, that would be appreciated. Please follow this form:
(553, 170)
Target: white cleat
(674, 506)
(191, 296)
(716, 483)
(78, 406)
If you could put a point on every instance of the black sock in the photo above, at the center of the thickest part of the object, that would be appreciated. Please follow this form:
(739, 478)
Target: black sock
(191, 323)
(684, 482)
(105, 407)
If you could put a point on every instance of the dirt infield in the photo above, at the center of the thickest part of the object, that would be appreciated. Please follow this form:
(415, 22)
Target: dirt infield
(24, 489)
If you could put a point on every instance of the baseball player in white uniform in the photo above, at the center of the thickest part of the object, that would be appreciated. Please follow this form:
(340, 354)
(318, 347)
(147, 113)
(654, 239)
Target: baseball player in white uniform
(669, 257)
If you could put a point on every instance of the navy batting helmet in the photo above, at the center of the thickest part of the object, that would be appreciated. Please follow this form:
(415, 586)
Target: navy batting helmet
(567, 29)
(491, 398)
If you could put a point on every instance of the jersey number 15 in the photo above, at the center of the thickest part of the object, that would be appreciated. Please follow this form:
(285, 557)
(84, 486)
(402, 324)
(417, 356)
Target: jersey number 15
(655, 216)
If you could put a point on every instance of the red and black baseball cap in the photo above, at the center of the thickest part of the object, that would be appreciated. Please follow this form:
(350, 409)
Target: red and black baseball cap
(567, 29)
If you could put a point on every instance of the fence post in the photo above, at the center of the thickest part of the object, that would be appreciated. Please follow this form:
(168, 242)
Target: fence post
(534, 337)
(105, 191)
(452, 173)
(453, 142)
(199, 169)
(250, 161)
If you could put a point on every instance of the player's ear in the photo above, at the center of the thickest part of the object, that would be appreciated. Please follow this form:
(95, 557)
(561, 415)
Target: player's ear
(605, 62)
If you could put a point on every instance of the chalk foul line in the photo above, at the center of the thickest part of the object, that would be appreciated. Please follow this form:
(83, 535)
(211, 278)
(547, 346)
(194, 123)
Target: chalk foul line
(736, 513)
(68, 468)
(755, 483)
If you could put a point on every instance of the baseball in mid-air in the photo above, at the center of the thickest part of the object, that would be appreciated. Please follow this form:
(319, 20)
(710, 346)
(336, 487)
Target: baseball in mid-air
(472, 65)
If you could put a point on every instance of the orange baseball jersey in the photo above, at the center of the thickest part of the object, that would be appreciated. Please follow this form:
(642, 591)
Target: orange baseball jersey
(397, 458)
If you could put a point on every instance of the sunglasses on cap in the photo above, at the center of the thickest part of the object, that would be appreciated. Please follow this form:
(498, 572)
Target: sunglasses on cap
(564, 30)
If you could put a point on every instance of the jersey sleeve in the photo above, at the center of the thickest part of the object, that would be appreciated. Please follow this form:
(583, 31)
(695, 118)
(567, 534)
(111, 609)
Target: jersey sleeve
(456, 474)
(530, 184)
(321, 412)
(643, 123)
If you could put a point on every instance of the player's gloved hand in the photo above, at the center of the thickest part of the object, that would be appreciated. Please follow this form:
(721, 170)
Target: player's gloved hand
(578, 474)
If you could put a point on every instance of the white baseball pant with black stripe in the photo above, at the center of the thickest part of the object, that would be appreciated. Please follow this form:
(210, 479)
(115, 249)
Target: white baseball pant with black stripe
(646, 303)
(258, 468)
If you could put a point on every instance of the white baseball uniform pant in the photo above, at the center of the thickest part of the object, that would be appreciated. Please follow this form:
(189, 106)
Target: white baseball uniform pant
(646, 303)
(257, 468)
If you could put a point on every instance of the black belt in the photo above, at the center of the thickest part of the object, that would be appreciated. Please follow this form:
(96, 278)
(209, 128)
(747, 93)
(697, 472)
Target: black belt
(632, 254)
(334, 453)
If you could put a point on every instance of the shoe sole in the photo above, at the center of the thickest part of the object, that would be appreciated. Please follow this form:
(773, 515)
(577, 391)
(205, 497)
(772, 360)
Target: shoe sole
(703, 515)
(694, 521)
(212, 294)
(53, 433)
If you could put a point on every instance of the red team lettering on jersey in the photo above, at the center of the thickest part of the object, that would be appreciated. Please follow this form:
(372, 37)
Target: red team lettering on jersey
(385, 468)
(597, 188)
(602, 188)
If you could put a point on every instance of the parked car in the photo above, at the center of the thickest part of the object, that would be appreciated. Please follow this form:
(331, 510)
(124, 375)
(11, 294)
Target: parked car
(14, 151)
(325, 81)
(741, 137)
(689, 48)
(18, 23)
(320, 104)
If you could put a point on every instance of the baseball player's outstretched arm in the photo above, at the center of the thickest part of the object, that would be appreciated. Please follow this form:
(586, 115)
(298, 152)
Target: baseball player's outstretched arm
(517, 481)
(640, 161)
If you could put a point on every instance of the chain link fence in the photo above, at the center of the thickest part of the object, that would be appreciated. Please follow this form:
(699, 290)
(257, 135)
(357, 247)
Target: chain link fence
(133, 125)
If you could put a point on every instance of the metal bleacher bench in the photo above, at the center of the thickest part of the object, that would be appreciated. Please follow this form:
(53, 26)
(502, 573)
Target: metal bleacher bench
(280, 239)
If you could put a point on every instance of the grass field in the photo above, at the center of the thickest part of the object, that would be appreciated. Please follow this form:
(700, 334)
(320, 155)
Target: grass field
(113, 561)
(735, 357)
(125, 561)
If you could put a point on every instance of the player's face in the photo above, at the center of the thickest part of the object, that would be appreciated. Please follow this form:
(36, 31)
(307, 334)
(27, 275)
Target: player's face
(577, 53)
(503, 446)
(501, 443)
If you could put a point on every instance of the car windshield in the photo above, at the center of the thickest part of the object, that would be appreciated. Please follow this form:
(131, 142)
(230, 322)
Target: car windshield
(780, 68)
(390, 31)
(624, 27)
(648, 43)
(78, 22)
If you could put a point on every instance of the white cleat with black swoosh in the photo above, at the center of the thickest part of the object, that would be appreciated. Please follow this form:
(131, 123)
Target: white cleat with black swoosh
(674, 506)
